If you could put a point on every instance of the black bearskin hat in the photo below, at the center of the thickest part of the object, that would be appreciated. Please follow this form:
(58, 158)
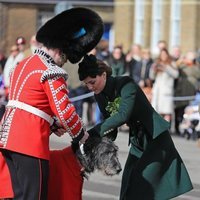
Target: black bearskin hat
(75, 31)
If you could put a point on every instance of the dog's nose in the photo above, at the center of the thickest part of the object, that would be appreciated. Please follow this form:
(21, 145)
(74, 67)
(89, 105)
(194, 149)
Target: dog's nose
(119, 170)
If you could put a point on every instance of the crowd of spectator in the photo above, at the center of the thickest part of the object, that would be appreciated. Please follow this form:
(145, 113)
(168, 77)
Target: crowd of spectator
(164, 76)
(170, 79)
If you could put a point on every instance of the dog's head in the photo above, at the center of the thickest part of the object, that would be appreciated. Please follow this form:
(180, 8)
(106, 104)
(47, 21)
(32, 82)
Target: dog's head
(108, 161)
(101, 154)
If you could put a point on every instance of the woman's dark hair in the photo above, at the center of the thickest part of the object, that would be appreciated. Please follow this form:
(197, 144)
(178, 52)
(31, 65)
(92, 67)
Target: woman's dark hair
(169, 60)
(91, 66)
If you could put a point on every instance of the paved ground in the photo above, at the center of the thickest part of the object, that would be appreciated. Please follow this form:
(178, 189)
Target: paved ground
(100, 187)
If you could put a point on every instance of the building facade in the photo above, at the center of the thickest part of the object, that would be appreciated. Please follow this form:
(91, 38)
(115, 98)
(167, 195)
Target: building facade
(127, 22)
(24, 17)
(146, 22)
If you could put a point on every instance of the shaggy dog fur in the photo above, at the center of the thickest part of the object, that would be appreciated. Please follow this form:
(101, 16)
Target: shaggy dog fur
(99, 153)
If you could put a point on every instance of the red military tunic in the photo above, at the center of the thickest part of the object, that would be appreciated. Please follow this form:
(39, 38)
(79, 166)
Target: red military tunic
(39, 82)
(65, 179)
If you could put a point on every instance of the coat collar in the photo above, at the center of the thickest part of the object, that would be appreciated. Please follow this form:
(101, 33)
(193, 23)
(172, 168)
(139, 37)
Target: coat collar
(109, 89)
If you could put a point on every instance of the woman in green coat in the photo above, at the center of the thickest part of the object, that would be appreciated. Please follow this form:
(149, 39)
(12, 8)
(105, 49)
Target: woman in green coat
(154, 169)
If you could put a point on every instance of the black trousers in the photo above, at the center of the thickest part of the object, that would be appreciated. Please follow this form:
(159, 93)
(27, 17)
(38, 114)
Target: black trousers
(29, 176)
(179, 112)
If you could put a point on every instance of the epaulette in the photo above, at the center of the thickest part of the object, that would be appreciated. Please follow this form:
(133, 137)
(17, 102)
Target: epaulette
(52, 72)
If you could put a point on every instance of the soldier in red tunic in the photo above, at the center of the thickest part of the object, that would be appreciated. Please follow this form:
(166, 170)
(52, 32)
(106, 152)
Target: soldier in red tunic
(38, 92)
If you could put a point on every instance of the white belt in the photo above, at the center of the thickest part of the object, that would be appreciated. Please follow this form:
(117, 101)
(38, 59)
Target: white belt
(31, 109)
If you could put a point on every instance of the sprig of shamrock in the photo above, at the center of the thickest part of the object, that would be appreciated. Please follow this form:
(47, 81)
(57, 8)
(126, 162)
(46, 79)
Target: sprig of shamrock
(113, 107)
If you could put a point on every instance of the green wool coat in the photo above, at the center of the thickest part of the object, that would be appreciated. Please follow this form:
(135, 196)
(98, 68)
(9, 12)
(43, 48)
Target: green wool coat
(154, 168)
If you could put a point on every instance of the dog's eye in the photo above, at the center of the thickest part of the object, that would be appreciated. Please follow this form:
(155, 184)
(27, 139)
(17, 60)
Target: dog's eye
(113, 151)
(108, 152)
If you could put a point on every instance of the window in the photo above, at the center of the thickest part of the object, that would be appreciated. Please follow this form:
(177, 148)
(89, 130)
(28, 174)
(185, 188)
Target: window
(139, 21)
(156, 24)
(175, 23)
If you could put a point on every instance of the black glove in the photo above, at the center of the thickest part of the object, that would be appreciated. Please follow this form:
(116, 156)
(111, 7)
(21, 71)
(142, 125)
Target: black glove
(95, 132)
(56, 125)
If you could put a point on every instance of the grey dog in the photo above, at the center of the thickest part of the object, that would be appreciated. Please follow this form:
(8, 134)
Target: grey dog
(99, 154)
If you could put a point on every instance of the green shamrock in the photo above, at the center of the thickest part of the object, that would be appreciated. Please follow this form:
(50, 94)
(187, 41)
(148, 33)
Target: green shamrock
(113, 107)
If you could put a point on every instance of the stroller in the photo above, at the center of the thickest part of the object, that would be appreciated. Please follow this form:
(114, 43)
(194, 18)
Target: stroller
(190, 126)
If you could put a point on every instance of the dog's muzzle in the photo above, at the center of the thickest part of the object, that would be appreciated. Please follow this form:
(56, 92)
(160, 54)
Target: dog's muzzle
(119, 170)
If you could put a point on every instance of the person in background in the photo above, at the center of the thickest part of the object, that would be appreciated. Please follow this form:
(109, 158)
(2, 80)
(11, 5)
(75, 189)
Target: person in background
(2, 95)
(3, 59)
(186, 85)
(21, 43)
(39, 103)
(103, 50)
(176, 53)
(147, 61)
(198, 62)
(162, 44)
(134, 62)
(154, 168)
(11, 63)
(117, 61)
(163, 72)
(145, 82)
(33, 45)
